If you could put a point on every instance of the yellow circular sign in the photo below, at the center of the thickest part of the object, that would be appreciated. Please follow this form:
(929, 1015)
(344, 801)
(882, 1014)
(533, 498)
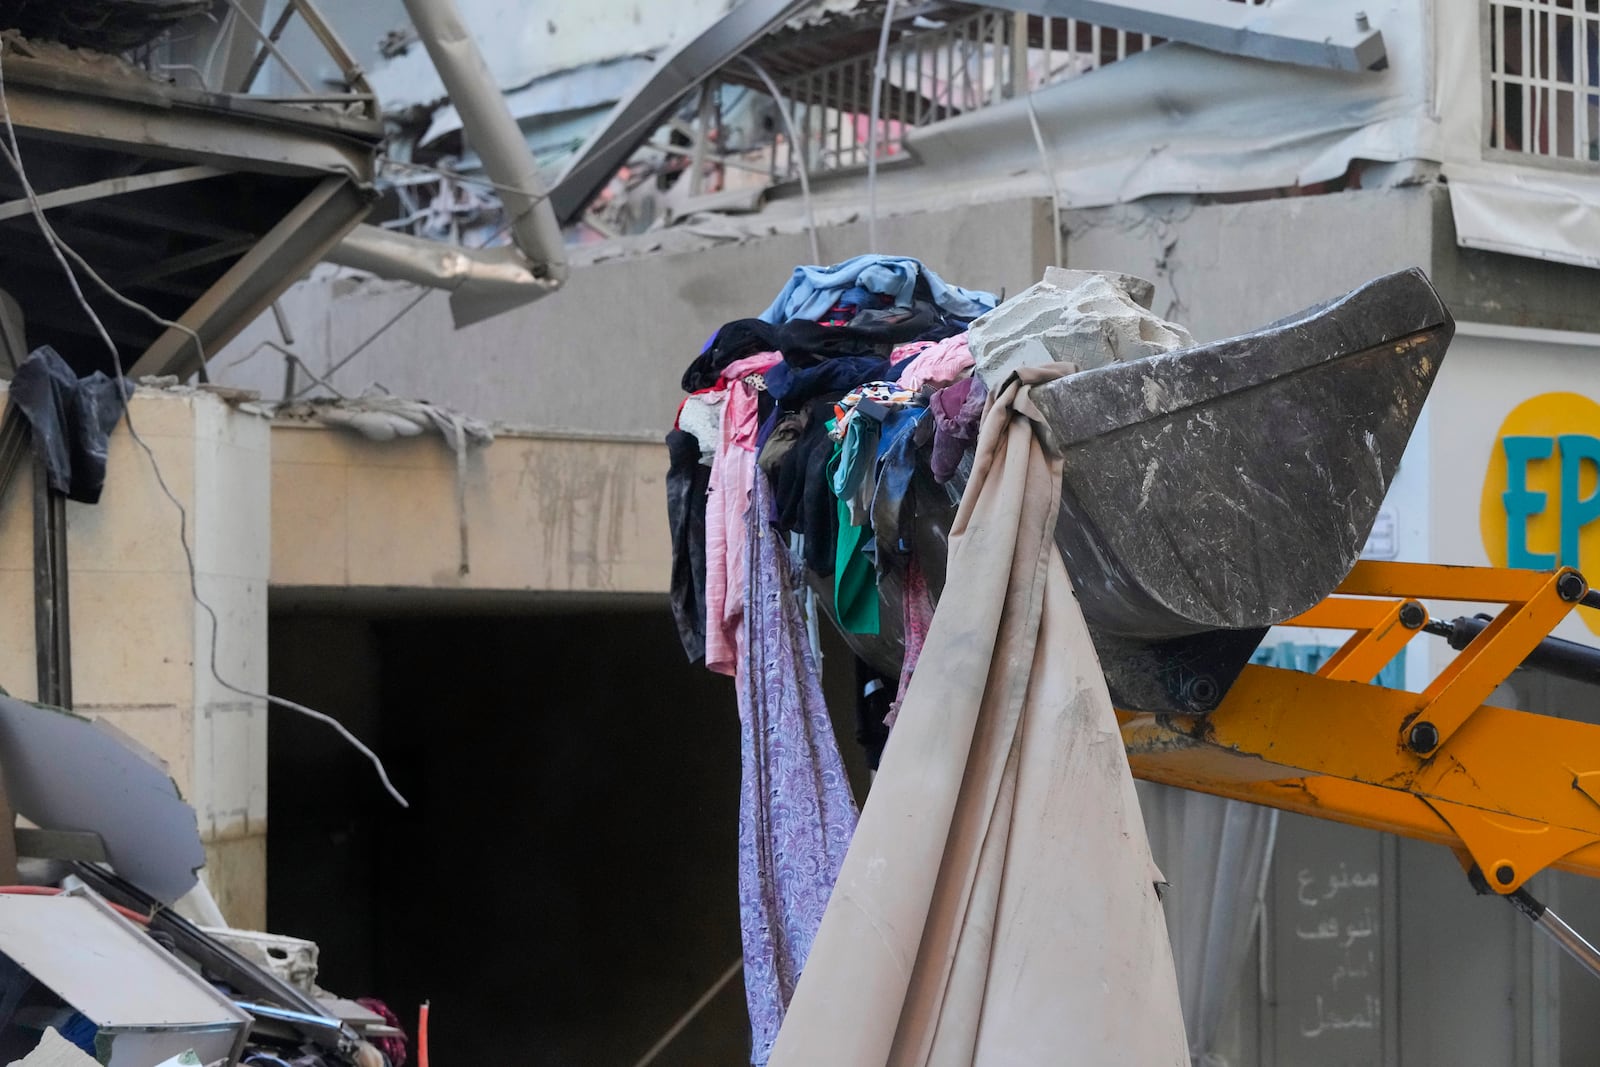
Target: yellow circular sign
(1541, 495)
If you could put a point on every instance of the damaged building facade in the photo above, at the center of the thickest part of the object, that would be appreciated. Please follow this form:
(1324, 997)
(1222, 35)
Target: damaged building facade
(491, 617)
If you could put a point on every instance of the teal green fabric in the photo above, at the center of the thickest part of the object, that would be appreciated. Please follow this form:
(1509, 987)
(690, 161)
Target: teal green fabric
(853, 456)
(855, 579)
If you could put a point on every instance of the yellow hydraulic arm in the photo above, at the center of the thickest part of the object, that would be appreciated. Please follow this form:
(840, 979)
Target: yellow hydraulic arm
(1511, 792)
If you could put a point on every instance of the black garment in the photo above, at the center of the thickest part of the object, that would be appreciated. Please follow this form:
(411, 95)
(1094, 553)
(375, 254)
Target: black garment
(926, 318)
(870, 333)
(805, 500)
(71, 418)
(736, 340)
(766, 408)
(792, 386)
(687, 479)
(874, 693)
(774, 442)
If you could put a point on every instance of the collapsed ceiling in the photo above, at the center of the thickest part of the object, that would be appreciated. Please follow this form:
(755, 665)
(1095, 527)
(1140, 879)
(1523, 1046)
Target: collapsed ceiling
(104, 25)
(201, 206)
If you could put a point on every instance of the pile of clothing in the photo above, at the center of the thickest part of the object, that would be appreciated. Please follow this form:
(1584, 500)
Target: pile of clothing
(855, 375)
(793, 460)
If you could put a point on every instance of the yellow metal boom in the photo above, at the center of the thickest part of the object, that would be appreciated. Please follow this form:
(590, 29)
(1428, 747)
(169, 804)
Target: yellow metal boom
(1511, 792)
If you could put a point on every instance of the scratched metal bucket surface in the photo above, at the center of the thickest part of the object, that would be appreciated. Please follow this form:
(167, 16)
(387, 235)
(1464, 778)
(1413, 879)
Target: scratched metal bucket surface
(1211, 492)
(1233, 485)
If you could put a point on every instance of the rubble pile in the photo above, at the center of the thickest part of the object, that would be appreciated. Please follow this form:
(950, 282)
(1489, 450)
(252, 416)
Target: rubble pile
(111, 949)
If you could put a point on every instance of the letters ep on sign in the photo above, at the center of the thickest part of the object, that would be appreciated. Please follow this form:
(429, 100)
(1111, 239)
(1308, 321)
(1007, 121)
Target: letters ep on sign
(1540, 507)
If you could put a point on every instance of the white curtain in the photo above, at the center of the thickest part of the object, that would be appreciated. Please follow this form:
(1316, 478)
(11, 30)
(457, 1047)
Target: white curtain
(1216, 854)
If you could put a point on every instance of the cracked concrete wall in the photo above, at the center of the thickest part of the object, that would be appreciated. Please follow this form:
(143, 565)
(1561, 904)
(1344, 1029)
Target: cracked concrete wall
(1224, 269)
(605, 354)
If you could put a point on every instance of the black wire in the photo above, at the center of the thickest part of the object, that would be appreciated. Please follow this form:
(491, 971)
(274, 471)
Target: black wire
(61, 250)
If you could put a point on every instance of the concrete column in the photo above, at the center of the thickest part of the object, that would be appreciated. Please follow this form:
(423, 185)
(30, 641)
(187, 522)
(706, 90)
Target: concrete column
(141, 646)
(232, 524)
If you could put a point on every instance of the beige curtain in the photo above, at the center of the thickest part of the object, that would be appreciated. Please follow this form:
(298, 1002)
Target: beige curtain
(997, 906)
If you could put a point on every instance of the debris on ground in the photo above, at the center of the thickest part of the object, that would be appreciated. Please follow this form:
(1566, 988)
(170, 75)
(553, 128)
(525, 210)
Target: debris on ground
(98, 964)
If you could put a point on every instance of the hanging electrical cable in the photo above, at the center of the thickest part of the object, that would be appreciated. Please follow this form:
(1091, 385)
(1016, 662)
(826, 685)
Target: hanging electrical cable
(879, 73)
(1050, 175)
(12, 152)
(799, 153)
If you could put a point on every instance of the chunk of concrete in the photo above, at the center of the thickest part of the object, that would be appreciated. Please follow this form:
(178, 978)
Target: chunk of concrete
(1091, 318)
(53, 1050)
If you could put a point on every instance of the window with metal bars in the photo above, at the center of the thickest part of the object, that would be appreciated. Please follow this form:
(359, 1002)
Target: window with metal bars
(1544, 78)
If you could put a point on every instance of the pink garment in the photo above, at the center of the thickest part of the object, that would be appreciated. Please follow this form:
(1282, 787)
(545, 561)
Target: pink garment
(941, 363)
(901, 353)
(917, 607)
(733, 473)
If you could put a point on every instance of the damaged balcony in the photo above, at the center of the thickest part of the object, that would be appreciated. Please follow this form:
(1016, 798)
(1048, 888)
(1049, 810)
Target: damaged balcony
(199, 204)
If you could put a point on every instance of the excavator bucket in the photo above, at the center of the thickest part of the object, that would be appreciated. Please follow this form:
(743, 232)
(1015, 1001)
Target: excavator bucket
(1213, 491)
(1232, 485)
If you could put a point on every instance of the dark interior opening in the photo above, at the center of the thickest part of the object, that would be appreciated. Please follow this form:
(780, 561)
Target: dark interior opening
(564, 885)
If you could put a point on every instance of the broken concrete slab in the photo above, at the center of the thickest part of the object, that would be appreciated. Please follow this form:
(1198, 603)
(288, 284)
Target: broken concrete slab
(53, 1050)
(289, 959)
(1091, 318)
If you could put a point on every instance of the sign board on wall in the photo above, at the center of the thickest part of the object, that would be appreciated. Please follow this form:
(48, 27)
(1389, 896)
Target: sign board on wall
(1499, 382)
(1335, 991)
(1540, 505)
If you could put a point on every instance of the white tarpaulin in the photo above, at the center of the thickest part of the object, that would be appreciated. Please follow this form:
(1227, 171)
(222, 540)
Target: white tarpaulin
(998, 903)
(1510, 209)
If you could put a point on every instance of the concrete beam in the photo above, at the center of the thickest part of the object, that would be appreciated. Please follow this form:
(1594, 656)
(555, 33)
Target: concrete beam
(500, 144)
(545, 515)
(77, 103)
(482, 282)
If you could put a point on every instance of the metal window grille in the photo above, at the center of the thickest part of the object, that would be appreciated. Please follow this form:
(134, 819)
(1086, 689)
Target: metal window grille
(929, 76)
(1544, 77)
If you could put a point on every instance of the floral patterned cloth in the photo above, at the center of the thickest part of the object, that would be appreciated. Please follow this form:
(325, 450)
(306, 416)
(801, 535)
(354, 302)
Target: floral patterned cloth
(886, 393)
(796, 812)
